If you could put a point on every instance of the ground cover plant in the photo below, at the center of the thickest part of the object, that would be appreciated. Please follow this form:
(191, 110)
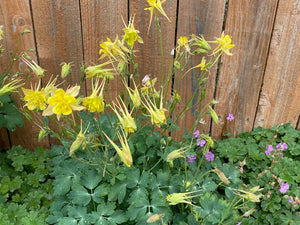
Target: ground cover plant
(25, 186)
(269, 158)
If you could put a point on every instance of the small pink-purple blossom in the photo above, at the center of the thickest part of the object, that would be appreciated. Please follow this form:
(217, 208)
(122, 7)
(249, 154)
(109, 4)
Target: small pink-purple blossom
(201, 142)
(284, 187)
(196, 133)
(230, 117)
(282, 146)
(269, 150)
(191, 158)
(209, 156)
(239, 223)
(291, 200)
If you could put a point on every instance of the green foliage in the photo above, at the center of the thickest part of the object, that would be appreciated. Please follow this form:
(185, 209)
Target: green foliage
(247, 152)
(10, 117)
(108, 194)
(25, 186)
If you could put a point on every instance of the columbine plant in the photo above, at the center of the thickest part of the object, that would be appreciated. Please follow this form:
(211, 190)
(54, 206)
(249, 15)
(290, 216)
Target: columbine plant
(127, 138)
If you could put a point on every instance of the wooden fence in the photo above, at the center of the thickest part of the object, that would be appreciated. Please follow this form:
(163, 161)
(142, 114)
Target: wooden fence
(259, 84)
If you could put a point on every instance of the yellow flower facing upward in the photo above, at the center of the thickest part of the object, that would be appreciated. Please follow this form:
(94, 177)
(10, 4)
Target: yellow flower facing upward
(158, 116)
(113, 49)
(156, 4)
(39, 71)
(183, 42)
(99, 71)
(35, 99)
(124, 152)
(95, 101)
(131, 34)
(224, 44)
(125, 118)
(63, 103)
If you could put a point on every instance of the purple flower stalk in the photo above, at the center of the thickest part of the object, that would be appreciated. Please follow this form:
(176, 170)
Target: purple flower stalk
(201, 142)
(284, 187)
(209, 156)
(196, 133)
(269, 150)
(282, 146)
(191, 158)
(230, 117)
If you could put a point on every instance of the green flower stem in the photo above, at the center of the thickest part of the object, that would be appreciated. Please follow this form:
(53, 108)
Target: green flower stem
(228, 209)
(156, 164)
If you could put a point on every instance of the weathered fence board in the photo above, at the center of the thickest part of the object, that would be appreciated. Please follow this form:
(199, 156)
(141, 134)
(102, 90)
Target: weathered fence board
(249, 23)
(148, 56)
(259, 84)
(205, 18)
(16, 17)
(279, 100)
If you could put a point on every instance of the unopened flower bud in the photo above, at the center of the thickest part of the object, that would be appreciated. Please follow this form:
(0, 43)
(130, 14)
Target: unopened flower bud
(65, 69)
(222, 176)
(42, 134)
(155, 217)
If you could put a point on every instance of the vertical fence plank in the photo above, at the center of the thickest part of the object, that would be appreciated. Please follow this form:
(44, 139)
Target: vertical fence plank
(205, 18)
(102, 19)
(4, 139)
(148, 56)
(58, 37)
(16, 17)
(279, 100)
(249, 23)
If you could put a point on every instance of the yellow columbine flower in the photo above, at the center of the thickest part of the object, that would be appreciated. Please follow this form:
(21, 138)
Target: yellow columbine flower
(113, 49)
(126, 120)
(134, 95)
(79, 141)
(177, 198)
(39, 71)
(63, 103)
(156, 4)
(95, 101)
(183, 42)
(131, 34)
(11, 87)
(158, 116)
(1, 32)
(124, 153)
(202, 65)
(36, 100)
(175, 155)
(224, 44)
(98, 71)
(65, 69)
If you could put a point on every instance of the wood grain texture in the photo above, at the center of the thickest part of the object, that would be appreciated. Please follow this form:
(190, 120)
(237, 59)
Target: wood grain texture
(58, 37)
(4, 139)
(249, 23)
(280, 97)
(102, 19)
(204, 17)
(15, 15)
(148, 56)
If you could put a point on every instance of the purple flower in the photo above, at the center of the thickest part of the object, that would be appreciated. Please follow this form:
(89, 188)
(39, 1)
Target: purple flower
(191, 158)
(269, 150)
(209, 156)
(239, 223)
(282, 146)
(284, 187)
(196, 133)
(201, 142)
(230, 117)
(291, 200)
